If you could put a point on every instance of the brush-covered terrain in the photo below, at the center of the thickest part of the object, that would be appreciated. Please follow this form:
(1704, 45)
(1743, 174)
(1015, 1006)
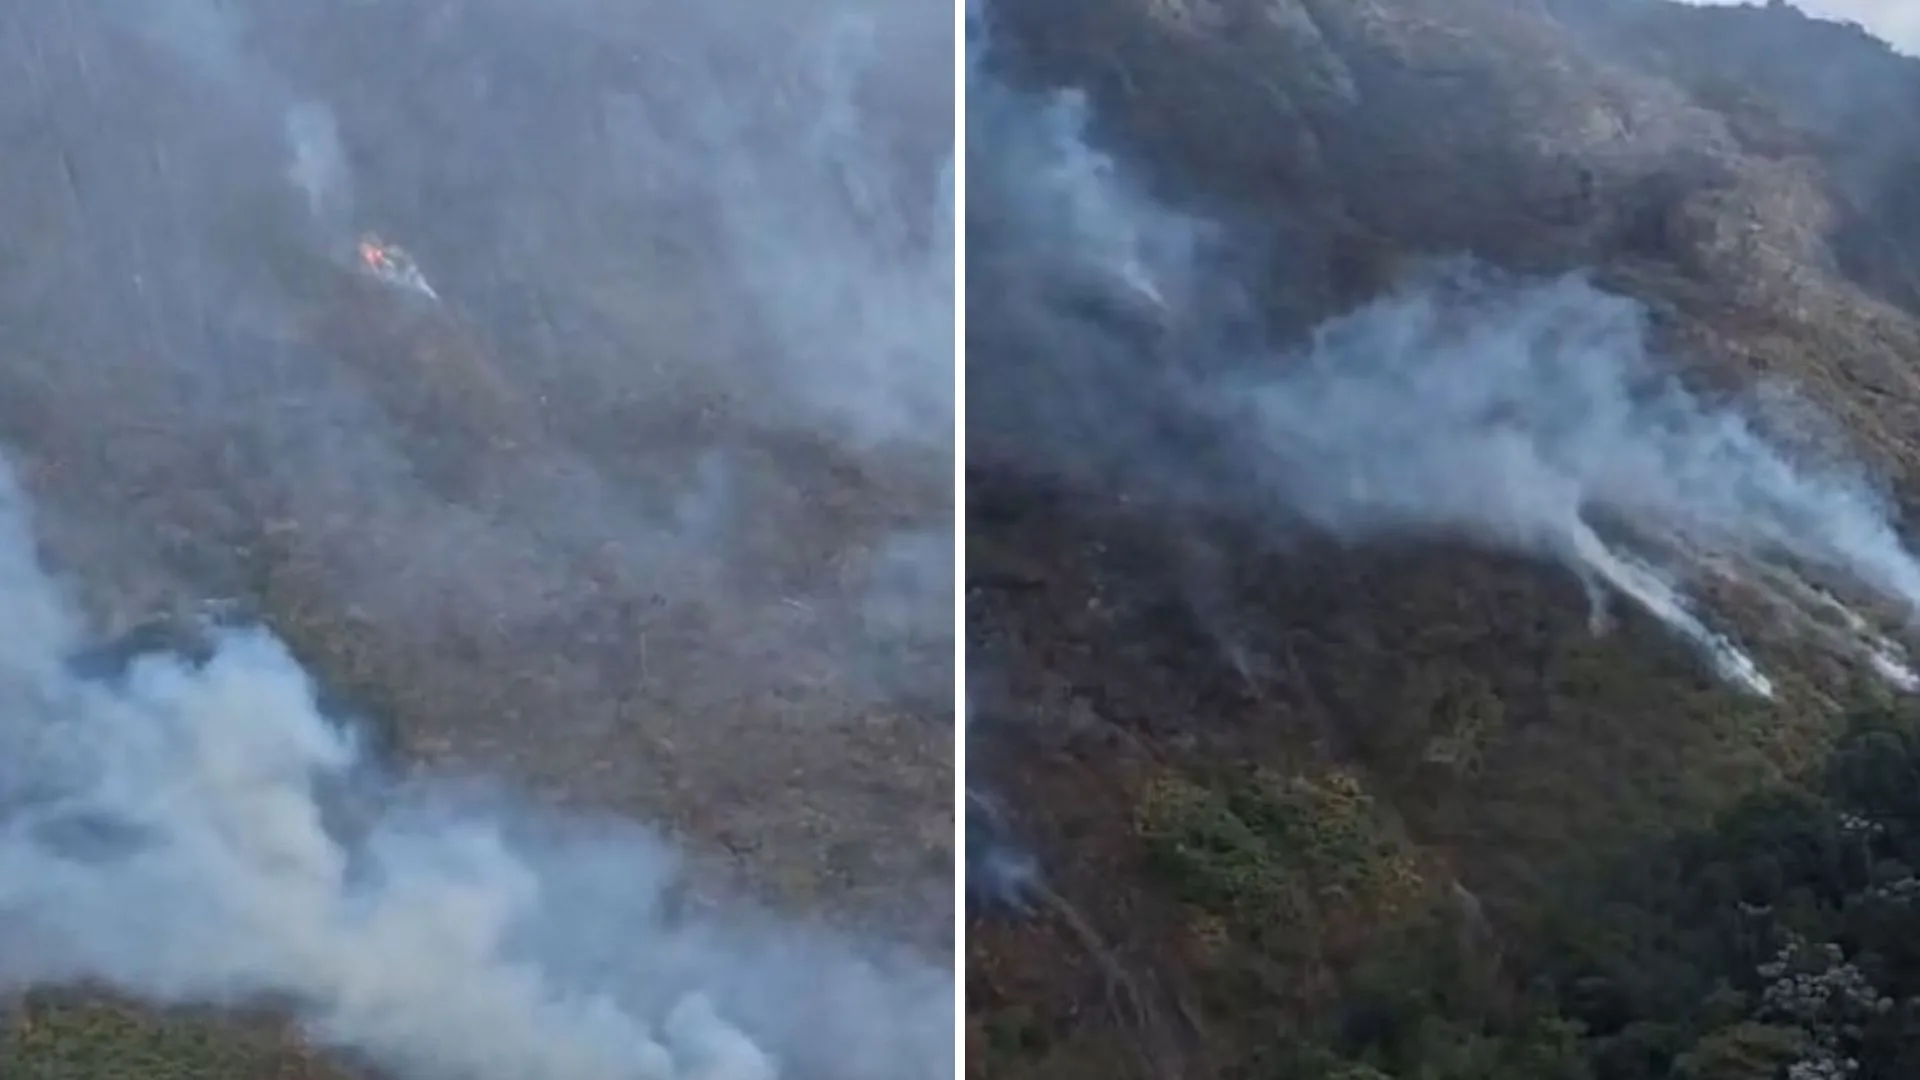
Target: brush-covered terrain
(1328, 805)
(646, 515)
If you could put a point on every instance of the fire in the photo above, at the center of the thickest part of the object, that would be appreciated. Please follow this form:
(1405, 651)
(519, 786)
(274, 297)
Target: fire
(392, 265)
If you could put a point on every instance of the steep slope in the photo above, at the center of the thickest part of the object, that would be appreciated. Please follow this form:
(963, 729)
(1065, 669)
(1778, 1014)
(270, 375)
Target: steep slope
(1264, 771)
(646, 517)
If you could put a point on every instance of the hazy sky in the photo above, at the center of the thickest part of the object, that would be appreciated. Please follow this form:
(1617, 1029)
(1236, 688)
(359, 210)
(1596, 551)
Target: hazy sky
(1897, 21)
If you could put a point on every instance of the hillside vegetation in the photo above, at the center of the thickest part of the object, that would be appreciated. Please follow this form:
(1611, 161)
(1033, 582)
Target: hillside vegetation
(570, 530)
(1394, 809)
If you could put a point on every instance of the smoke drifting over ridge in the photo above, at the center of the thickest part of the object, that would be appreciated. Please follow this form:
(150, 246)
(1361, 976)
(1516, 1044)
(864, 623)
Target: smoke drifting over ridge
(1113, 346)
(166, 835)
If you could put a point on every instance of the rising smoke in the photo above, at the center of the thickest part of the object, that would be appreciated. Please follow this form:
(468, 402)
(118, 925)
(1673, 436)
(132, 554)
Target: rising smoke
(1107, 348)
(670, 243)
(167, 834)
(634, 395)
(1001, 874)
(319, 166)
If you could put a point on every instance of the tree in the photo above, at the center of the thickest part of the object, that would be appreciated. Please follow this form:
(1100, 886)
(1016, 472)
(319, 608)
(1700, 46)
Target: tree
(1744, 1051)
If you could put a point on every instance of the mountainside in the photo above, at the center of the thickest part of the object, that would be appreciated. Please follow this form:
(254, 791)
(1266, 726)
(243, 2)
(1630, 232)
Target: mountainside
(626, 532)
(1371, 784)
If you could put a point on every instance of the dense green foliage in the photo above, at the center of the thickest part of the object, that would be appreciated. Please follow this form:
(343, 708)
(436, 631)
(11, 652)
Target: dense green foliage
(1784, 941)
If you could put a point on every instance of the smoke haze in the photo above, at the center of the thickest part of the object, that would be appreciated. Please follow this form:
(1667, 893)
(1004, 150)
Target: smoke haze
(650, 509)
(663, 261)
(1112, 344)
(166, 835)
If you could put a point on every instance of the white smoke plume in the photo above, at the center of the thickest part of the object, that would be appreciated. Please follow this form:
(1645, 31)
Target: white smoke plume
(671, 241)
(1528, 416)
(612, 413)
(201, 834)
(789, 213)
(1524, 416)
(319, 166)
(1001, 874)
